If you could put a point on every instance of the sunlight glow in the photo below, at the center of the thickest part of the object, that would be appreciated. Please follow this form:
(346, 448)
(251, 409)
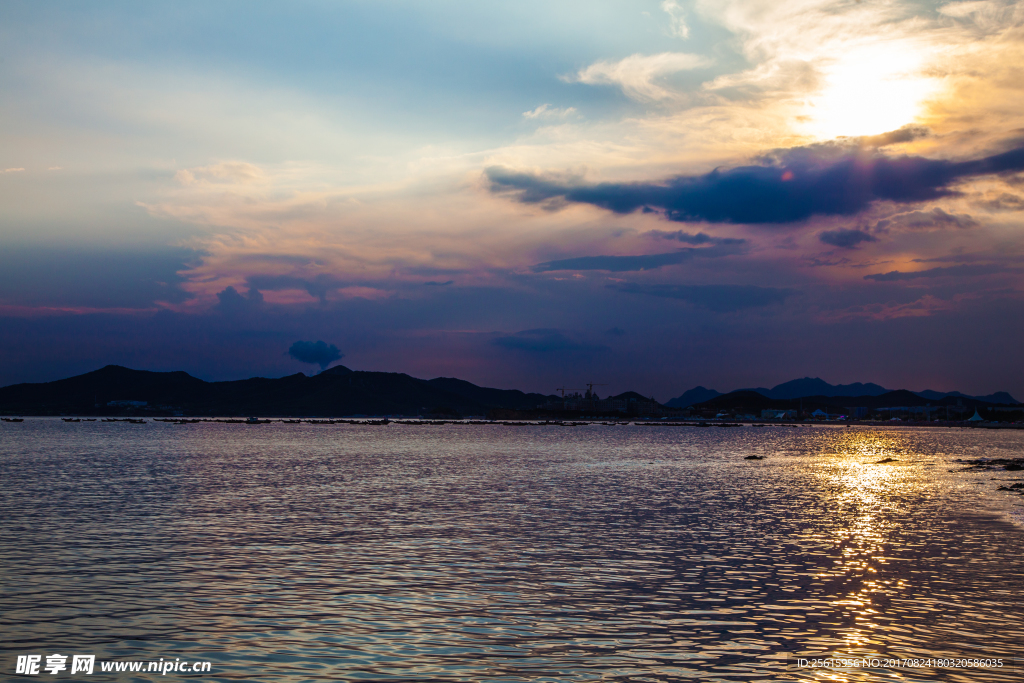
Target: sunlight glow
(870, 91)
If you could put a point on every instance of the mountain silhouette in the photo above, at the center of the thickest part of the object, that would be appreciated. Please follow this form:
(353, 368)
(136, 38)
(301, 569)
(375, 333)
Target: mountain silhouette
(334, 392)
(817, 387)
(695, 395)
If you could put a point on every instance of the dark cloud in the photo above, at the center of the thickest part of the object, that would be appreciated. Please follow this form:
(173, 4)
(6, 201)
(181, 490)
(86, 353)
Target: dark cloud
(616, 263)
(94, 278)
(718, 298)
(431, 336)
(789, 185)
(317, 286)
(615, 331)
(620, 264)
(231, 302)
(435, 283)
(830, 261)
(543, 341)
(692, 238)
(960, 256)
(845, 239)
(951, 271)
(317, 353)
(905, 134)
(679, 235)
(936, 219)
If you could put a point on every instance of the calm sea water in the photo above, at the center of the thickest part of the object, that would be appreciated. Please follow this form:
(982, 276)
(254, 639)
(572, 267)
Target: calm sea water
(491, 553)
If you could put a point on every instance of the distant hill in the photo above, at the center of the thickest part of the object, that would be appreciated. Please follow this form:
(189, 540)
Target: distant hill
(754, 402)
(630, 396)
(998, 397)
(334, 392)
(341, 391)
(695, 395)
(817, 387)
(489, 398)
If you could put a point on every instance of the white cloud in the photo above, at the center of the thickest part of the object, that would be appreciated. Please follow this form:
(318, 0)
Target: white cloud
(224, 172)
(963, 9)
(676, 20)
(636, 74)
(986, 15)
(548, 112)
(13, 170)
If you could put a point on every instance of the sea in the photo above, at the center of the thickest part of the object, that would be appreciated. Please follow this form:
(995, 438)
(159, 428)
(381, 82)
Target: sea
(491, 552)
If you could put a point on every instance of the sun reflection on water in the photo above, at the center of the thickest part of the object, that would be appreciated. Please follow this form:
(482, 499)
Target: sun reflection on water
(516, 554)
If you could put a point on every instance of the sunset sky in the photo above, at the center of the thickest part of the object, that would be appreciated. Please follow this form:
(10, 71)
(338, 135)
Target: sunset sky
(650, 195)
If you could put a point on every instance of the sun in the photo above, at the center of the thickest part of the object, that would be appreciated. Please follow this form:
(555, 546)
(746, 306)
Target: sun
(869, 91)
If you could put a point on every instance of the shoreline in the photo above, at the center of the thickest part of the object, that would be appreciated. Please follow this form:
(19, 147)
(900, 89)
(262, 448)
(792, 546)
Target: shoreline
(376, 420)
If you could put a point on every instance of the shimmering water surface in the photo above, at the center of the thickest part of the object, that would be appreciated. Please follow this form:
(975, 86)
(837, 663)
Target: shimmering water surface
(496, 553)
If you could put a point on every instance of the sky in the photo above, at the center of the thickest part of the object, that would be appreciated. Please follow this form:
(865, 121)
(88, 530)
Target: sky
(648, 194)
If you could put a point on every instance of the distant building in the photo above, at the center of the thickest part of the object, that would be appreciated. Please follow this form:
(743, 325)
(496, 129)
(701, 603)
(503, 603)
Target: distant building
(778, 414)
(856, 413)
(591, 402)
(909, 412)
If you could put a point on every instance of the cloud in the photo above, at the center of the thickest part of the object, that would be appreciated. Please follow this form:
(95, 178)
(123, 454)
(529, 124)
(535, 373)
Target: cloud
(84, 276)
(936, 219)
(13, 170)
(1004, 201)
(693, 238)
(543, 341)
(677, 20)
(230, 301)
(620, 264)
(895, 137)
(816, 262)
(959, 256)
(318, 286)
(846, 239)
(316, 353)
(952, 271)
(964, 9)
(435, 283)
(546, 111)
(790, 185)
(636, 74)
(924, 307)
(225, 172)
(718, 298)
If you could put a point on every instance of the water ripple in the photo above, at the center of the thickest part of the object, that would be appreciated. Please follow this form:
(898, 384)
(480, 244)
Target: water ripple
(453, 553)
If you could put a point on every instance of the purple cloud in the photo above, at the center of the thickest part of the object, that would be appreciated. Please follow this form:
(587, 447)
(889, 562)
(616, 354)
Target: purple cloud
(846, 239)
